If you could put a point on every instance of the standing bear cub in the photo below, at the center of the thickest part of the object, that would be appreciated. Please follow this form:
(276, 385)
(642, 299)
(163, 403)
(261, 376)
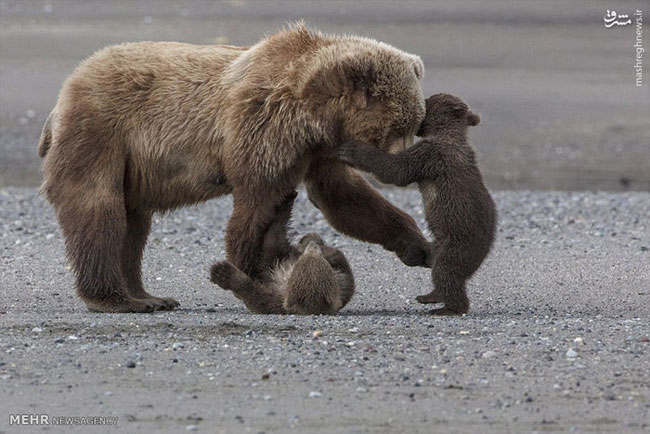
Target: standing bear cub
(459, 210)
(146, 127)
(311, 279)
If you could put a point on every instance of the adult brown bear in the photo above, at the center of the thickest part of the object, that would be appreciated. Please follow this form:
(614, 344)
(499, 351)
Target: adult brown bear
(152, 126)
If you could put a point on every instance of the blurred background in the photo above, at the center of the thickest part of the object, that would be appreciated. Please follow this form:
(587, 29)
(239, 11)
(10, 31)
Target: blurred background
(555, 88)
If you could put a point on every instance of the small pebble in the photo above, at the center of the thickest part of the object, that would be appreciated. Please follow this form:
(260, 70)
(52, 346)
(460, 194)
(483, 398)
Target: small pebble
(314, 394)
(571, 353)
(130, 364)
(317, 333)
(191, 427)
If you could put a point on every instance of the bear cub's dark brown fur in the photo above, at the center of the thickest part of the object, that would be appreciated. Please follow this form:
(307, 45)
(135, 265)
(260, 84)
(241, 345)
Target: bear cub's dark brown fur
(309, 279)
(459, 209)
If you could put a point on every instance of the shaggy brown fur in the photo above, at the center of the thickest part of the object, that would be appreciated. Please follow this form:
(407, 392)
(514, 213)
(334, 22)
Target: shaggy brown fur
(309, 280)
(153, 126)
(459, 209)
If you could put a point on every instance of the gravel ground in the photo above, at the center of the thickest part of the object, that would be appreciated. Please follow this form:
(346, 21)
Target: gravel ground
(557, 338)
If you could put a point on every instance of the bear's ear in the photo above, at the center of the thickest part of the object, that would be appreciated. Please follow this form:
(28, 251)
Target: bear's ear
(349, 78)
(473, 119)
(418, 67)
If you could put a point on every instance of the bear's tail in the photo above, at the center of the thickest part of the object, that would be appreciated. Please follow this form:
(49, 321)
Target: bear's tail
(46, 137)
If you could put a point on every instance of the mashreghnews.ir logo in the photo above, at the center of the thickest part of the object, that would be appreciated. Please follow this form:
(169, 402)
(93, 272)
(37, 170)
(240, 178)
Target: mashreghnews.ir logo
(46, 419)
(612, 18)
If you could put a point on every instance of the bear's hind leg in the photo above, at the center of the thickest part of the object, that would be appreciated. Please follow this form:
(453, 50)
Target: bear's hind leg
(94, 226)
(138, 225)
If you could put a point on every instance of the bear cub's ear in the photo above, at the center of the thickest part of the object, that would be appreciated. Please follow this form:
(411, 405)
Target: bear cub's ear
(462, 111)
(473, 119)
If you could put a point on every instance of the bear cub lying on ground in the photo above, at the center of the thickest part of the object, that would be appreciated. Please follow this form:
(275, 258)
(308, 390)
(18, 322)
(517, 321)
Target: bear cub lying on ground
(459, 210)
(310, 279)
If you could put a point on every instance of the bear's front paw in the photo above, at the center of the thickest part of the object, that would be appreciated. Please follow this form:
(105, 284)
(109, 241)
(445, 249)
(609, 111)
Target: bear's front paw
(416, 255)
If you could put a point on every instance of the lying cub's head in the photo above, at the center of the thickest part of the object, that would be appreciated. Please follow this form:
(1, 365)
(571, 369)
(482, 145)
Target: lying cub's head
(445, 111)
(310, 238)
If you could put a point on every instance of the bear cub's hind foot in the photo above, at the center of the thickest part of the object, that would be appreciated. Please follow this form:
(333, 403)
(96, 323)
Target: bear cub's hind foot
(226, 275)
(444, 311)
(432, 297)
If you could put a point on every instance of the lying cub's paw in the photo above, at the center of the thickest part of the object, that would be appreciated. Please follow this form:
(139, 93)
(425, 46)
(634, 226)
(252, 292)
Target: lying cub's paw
(223, 274)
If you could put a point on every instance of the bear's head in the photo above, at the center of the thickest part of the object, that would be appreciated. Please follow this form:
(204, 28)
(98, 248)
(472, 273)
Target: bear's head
(445, 111)
(364, 90)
